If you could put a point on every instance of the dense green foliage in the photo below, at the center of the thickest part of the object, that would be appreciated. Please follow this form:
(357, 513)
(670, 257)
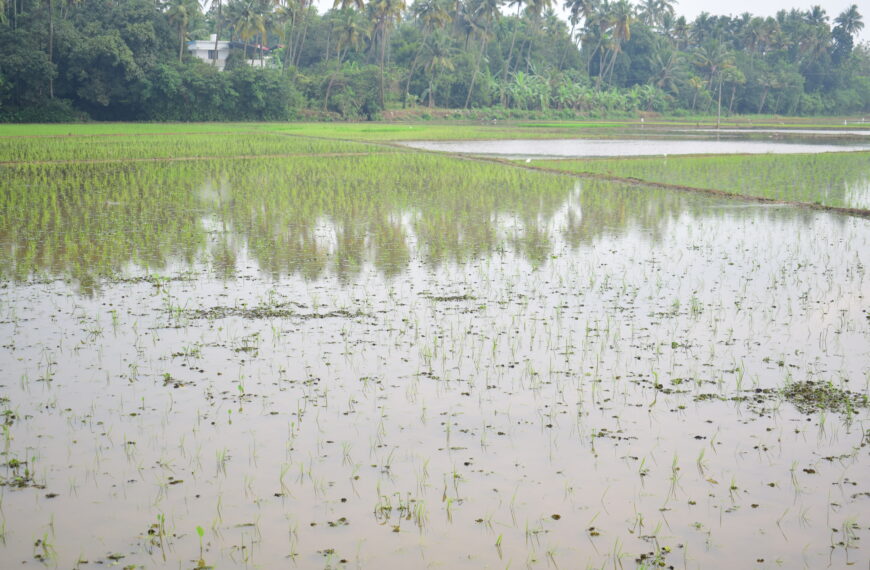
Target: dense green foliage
(127, 60)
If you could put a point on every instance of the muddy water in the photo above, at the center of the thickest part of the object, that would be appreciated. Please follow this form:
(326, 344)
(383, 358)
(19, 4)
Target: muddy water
(569, 148)
(588, 375)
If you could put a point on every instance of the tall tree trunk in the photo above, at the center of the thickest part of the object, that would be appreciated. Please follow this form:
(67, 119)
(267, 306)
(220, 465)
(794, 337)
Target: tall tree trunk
(589, 60)
(288, 50)
(331, 82)
(763, 97)
(328, 41)
(301, 36)
(290, 41)
(507, 62)
(477, 66)
(602, 58)
(217, 36)
(565, 51)
(414, 68)
(180, 43)
(51, 46)
(612, 63)
(382, 62)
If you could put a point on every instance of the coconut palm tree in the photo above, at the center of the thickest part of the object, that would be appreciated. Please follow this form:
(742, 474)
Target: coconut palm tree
(437, 58)
(385, 14)
(250, 23)
(716, 60)
(507, 62)
(621, 18)
(180, 14)
(850, 21)
(219, 21)
(431, 14)
(816, 15)
(667, 70)
(352, 31)
(535, 9)
(349, 4)
(579, 10)
(484, 12)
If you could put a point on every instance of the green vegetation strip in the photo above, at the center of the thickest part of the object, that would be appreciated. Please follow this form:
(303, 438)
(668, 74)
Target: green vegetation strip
(366, 131)
(407, 130)
(164, 147)
(830, 180)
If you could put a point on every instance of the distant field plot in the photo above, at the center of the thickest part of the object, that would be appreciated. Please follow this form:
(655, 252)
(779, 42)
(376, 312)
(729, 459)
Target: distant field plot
(831, 179)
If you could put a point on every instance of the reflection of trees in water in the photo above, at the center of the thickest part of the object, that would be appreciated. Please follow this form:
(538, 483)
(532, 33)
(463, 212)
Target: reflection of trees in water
(310, 216)
(90, 220)
(379, 209)
(610, 209)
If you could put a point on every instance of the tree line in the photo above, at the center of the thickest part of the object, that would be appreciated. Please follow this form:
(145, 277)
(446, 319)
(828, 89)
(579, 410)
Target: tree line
(128, 59)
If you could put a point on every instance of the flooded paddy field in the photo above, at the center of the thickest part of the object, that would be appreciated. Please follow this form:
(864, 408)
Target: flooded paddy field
(667, 145)
(403, 360)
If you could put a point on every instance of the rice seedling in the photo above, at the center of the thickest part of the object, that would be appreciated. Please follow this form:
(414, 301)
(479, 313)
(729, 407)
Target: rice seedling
(830, 179)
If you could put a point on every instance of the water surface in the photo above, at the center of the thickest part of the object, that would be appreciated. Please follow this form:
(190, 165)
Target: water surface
(571, 148)
(443, 364)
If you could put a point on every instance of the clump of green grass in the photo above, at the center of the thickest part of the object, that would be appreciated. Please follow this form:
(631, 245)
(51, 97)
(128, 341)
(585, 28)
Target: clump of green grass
(811, 396)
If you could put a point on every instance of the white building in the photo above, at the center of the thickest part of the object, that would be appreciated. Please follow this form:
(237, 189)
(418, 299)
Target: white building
(205, 50)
